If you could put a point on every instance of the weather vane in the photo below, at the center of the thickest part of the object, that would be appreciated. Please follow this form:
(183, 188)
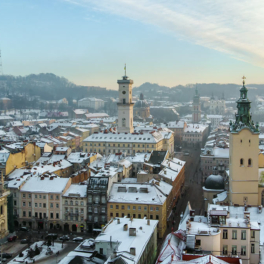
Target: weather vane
(244, 78)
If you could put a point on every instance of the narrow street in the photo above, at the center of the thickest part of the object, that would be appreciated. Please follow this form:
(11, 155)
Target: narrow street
(193, 188)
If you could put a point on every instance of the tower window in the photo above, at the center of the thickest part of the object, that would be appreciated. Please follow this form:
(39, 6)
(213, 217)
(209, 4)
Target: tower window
(249, 141)
(124, 92)
(241, 162)
(249, 163)
(241, 140)
(123, 122)
(124, 101)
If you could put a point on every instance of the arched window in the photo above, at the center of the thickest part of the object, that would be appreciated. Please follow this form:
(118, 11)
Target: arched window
(241, 140)
(1, 209)
(241, 162)
(249, 141)
(249, 163)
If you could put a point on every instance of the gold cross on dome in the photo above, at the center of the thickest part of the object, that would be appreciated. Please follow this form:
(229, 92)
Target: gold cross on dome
(244, 79)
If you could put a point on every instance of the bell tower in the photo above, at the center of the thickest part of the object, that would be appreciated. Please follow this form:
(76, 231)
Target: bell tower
(196, 115)
(125, 105)
(243, 154)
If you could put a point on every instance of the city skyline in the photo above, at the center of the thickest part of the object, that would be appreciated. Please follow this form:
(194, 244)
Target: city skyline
(88, 42)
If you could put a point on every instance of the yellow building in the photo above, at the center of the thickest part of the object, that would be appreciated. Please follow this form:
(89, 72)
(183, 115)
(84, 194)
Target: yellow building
(131, 143)
(138, 201)
(244, 155)
(3, 215)
(13, 158)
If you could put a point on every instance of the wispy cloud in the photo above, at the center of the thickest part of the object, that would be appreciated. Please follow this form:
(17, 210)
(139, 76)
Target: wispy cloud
(235, 27)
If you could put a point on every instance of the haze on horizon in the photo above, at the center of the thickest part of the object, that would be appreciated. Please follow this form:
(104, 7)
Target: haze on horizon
(161, 41)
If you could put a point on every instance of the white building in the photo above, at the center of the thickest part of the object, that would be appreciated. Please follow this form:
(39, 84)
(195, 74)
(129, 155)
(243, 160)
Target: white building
(130, 240)
(91, 102)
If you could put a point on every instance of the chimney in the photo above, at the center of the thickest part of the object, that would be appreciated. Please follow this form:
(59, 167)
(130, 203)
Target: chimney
(133, 251)
(118, 220)
(41, 178)
(125, 227)
(148, 222)
(51, 178)
(132, 231)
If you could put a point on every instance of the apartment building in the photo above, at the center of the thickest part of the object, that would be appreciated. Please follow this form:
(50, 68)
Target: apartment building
(138, 201)
(41, 201)
(128, 240)
(74, 208)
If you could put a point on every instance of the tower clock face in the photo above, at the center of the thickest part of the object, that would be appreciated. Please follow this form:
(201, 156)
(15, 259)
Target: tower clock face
(124, 92)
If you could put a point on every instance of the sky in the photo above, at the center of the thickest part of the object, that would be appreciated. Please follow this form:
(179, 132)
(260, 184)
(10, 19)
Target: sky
(167, 42)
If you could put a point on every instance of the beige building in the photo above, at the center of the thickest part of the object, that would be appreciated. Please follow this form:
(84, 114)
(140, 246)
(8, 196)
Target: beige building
(107, 142)
(41, 201)
(74, 208)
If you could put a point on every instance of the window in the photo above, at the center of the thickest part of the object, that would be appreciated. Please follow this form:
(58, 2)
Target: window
(151, 208)
(139, 208)
(51, 215)
(76, 203)
(29, 213)
(103, 209)
(128, 215)
(151, 217)
(128, 207)
(145, 208)
(139, 216)
(157, 208)
(57, 197)
(36, 196)
(29, 196)
(51, 205)
(134, 215)
(234, 250)
(44, 196)
(24, 203)
(40, 204)
(234, 234)
(29, 204)
(40, 196)
(36, 214)
(111, 214)
(57, 215)
(225, 249)
(122, 207)
(252, 248)
(198, 242)
(15, 203)
(243, 250)
(123, 121)
(24, 195)
(51, 197)
(241, 162)
(225, 234)
(36, 204)
(243, 235)
(252, 234)
(81, 203)
(249, 163)
(117, 214)
(111, 206)
(134, 207)
(117, 206)
(44, 205)
(57, 205)
(89, 198)
(24, 213)
(95, 210)
(157, 217)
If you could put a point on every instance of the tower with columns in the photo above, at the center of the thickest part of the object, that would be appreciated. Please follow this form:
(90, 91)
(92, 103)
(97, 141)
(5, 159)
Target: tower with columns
(196, 115)
(125, 105)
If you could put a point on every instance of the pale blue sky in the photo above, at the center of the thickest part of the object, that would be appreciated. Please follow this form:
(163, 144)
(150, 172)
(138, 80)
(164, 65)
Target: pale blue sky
(161, 41)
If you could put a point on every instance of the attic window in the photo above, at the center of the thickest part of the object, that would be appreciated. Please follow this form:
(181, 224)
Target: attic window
(241, 140)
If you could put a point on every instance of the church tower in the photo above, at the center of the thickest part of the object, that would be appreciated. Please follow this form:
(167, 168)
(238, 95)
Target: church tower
(125, 105)
(196, 116)
(243, 154)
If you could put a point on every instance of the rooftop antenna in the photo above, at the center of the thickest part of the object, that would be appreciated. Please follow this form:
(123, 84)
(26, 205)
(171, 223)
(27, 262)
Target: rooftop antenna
(125, 69)
(1, 66)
